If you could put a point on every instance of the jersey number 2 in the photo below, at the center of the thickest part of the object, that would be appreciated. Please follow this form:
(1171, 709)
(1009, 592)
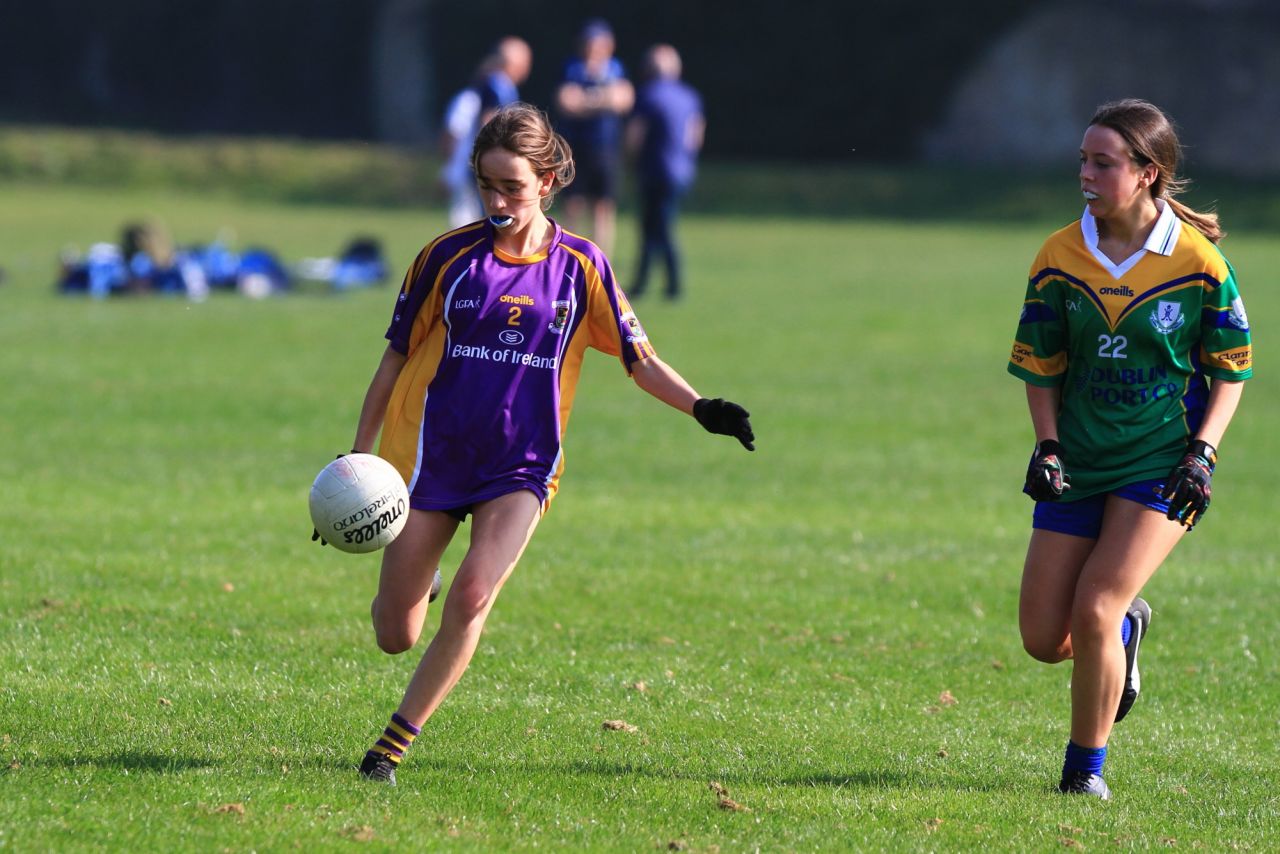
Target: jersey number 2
(513, 315)
(1112, 348)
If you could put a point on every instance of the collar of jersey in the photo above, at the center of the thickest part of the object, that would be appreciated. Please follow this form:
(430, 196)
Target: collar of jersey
(1161, 241)
(507, 258)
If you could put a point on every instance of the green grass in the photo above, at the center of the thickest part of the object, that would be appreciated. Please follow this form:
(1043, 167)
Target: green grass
(183, 669)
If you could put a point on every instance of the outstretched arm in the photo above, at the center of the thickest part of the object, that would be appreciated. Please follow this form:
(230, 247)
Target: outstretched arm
(375, 400)
(716, 416)
(661, 380)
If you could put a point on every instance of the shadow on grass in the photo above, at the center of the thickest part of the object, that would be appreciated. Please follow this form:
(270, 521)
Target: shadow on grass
(127, 760)
(877, 778)
(873, 778)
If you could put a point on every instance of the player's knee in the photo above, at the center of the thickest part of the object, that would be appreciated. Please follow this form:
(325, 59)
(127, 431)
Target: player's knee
(1046, 648)
(393, 636)
(469, 599)
(1091, 619)
(1045, 636)
(395, 640)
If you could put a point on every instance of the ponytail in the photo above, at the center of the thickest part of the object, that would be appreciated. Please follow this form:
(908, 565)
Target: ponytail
(1205, 222)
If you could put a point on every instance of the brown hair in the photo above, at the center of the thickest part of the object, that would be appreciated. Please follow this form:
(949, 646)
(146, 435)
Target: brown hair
(526, 131)
(1152, 140)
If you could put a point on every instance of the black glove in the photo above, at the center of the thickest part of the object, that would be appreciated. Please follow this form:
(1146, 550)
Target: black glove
(725, 418)
(1189, 485)
(1047, 476)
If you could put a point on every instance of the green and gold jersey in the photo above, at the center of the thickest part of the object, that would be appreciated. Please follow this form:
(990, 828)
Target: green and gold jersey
(1130, 345)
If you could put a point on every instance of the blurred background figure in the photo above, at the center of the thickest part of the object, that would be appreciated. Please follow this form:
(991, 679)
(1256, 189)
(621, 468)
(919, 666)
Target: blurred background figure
(665, 134)
(592, 100)
(495, 85)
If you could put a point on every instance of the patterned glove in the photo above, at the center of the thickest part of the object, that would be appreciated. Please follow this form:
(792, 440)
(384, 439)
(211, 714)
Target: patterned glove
(725, 418)
(1190, 484)
(1047, 477)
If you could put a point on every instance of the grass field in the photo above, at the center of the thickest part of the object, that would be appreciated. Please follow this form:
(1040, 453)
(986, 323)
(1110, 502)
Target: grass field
(825, 629)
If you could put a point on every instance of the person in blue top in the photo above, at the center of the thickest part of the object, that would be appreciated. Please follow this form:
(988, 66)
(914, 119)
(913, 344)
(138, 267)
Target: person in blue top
(665, 132)
(494, 86)
(592, 101)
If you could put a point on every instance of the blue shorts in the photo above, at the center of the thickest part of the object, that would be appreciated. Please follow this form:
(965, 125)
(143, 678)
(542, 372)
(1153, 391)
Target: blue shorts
(1083, 518)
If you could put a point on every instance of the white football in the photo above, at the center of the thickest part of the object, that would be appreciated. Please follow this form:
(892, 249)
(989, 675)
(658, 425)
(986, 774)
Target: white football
(359, 503)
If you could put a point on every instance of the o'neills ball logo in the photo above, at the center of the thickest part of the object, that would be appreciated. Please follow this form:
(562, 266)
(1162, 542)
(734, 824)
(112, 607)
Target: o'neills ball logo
(367, 523)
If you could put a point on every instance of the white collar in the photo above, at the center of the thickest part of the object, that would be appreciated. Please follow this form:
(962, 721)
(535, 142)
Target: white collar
(1161, 241)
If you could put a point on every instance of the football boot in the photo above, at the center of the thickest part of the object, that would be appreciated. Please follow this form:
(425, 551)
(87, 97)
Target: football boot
(1140, 614)
(377, 767)
(1084, 783)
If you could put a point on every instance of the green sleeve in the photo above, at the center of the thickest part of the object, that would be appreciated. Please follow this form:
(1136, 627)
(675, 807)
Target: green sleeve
(1040, 348)
(1226, 352)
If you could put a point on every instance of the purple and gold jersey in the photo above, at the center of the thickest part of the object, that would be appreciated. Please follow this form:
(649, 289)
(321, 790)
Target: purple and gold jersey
(495, 345)
(1130, 345)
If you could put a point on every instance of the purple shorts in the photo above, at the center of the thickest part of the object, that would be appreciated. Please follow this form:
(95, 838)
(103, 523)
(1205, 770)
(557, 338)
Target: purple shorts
(1083, 518)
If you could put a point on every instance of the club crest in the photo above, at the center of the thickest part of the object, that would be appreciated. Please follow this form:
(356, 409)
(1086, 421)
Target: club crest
(561, 318)
(1237, 317)
(1167, 316)
(635, 332)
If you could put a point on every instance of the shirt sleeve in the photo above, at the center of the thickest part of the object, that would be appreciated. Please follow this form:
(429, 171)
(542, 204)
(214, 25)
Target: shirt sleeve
(1039, 353)
(461, 114)
(1226, 351)
(418, 283)
(612, 325)
(491, 97)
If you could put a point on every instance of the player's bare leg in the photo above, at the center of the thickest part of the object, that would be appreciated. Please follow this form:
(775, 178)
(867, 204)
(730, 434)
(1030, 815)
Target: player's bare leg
(604, 213)
(500, 530)
(1049, 578)
(1133, 543)
(404, 586)
(575, 214)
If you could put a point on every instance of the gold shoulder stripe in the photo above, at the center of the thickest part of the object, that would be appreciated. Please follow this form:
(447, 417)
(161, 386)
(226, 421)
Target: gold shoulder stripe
(420, 263)
(1236, 359)
(1024, 356)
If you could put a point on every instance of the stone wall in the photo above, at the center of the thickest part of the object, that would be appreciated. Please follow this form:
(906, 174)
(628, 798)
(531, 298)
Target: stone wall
(1213, 66)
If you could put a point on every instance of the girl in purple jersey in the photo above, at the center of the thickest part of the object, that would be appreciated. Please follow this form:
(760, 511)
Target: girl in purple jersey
(448, 385)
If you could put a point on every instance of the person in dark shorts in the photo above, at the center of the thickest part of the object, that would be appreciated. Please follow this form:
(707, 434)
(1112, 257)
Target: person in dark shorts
(1134, 344)
(665, 133)
(592, 101)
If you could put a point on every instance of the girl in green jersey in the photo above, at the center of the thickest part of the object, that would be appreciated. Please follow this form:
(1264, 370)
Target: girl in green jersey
(1134, 343)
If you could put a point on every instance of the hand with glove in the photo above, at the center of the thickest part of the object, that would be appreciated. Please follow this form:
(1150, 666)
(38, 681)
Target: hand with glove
(1189, 485)
(725, 418)
(1047, 477)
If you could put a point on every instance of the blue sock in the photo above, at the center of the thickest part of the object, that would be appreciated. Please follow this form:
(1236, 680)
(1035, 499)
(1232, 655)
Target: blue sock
(1126, 629)
(1086, 759)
